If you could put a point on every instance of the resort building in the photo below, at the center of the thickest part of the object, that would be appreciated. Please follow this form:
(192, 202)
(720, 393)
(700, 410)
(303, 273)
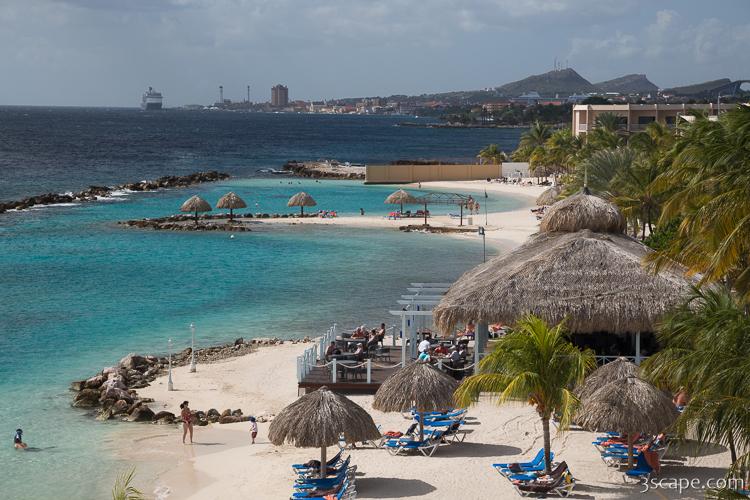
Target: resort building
(279, 96)
(636, 117)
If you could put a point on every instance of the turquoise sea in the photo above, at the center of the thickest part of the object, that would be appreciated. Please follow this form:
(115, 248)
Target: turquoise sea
(80, 291)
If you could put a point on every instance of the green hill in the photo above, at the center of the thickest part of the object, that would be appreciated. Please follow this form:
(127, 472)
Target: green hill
(563, 82)
(698, 88)
(629, 84)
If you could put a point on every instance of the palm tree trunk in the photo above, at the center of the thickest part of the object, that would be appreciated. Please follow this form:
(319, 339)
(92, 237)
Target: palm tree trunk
(732, 449)
(547, 445)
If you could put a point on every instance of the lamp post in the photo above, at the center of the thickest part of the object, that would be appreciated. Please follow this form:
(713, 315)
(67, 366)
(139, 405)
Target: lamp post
(170, 385)
(484, 244)
(192, 348)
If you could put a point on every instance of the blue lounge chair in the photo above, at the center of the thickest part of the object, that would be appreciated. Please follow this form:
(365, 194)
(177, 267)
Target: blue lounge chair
(642, 470)
(327, 483)
(331, 463)
(426, 447)
(537, 465)
(331, 471)
(345, 490)
(560, 483)
(537, 458)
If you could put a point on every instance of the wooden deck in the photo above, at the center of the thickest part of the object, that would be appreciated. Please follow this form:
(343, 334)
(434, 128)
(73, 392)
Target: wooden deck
(353, 381)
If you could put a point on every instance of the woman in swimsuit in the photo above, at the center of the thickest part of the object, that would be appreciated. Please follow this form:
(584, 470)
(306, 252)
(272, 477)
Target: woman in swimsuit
(187, 421)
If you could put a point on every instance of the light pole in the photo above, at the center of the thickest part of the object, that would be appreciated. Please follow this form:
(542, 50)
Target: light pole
(170, 385)
(484, 244)
(192, 348)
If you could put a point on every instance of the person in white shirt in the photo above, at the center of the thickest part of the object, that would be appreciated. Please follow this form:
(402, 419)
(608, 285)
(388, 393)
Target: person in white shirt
(423, 346)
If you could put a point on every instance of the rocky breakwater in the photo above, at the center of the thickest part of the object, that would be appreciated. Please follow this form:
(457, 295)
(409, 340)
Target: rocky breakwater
(113, 392)
(325, 170)
(93, 193)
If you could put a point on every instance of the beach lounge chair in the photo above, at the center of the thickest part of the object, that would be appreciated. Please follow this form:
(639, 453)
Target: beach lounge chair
(452, 432)
(327, 483)
(560, 483)
(642, 470)
(331, 471)
(304, 467)
(345, 491)
(537, 465)
(426, 447)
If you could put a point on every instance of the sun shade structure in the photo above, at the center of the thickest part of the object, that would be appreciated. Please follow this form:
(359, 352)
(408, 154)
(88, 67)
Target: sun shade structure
(232, 202)
(549, 196)
(416, 386)
(580, 267)
(617, 369)
(399, 198)
(195, 204)
(439, 198)
(318, 419)
(301, 200)
(629, 406)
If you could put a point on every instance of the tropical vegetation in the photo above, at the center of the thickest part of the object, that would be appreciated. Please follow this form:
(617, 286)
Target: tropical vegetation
(536, 363)
(124, 490)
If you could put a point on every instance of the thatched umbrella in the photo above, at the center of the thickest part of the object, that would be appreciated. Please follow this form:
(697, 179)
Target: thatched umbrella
(417, 386)
(317, 420)
(580, 266)
(629, 406)
(231, 201)
(617, 369)
(195, 204)
(301, 200)
(549, 196)
(399, 198)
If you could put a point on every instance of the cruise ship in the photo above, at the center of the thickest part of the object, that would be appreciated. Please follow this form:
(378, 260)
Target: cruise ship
(151, 99)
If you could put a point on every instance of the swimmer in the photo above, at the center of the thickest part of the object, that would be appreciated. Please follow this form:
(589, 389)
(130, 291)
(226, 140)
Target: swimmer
(18, 440)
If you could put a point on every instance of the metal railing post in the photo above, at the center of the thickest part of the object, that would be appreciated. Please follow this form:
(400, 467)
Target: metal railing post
(333, 371)
(369, 371)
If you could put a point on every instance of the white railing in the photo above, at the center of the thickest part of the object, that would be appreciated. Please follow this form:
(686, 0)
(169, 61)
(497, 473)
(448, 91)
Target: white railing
(328, 337)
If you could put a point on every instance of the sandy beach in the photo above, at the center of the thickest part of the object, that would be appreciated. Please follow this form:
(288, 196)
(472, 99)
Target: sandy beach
(222, 464)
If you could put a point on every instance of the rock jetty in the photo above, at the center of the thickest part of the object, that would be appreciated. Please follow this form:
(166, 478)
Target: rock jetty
(113, 392)
(207, 222)
(93, 193)
(330, 169)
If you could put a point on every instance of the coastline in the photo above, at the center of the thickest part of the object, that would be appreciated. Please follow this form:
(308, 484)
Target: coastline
(223, 465)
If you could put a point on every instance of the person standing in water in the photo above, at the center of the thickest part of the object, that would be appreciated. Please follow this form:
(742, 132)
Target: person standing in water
(18, 440)
(253, 429)
(187, 421)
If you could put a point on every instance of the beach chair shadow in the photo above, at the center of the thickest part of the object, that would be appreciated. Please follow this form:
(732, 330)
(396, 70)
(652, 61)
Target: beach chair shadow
(392, 487)
(470, 449)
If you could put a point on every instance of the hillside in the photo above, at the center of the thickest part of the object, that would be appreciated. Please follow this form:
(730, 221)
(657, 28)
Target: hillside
(698, 88)
(563, 82)
(628, 84)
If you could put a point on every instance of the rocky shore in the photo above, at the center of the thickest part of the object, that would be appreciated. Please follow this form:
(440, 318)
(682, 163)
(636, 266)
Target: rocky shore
(112, 393)
(93, 193)
(325, 170)
(209, 222)
(436, 229)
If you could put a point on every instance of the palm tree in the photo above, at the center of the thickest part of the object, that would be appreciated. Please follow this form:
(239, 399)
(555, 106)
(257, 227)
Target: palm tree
(493, 154)
(563, 149)
(608, 121)
(707, 185)
(123, 490)
(536, 364)
(706, 347)
(533, 138)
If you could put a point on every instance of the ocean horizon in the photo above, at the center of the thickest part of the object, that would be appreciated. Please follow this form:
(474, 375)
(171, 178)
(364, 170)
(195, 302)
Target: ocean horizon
(83, 291)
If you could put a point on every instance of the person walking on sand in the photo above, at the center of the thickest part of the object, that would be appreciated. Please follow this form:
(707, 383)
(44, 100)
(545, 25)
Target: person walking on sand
(253, 429)
(187, 421)
(18, 440)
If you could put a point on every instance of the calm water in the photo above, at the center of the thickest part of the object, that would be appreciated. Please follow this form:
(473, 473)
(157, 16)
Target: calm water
(81, 291)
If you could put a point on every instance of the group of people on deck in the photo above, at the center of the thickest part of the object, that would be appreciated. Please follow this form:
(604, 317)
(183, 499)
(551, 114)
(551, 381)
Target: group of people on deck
(454, 357)
(372, 339)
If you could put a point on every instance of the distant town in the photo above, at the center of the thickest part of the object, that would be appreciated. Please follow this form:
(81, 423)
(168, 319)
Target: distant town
(547, 97)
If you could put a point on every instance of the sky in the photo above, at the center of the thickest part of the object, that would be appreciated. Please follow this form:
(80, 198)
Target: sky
(106, 52)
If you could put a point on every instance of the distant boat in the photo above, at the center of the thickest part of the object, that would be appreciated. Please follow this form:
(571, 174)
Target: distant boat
(273, 171)
(151, 99)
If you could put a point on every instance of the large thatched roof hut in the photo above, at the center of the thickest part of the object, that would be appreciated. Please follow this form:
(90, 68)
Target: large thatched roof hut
(580, 267)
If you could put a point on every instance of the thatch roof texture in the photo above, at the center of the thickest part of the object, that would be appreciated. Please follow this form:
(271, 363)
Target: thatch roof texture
(583, 211)
(419, 386)
(549, 196)
(195, 204)
(594, 279)
(609, 372)
(399, 198)
(301, 199)
(231, 201)
(318, 419)
(627, 405)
